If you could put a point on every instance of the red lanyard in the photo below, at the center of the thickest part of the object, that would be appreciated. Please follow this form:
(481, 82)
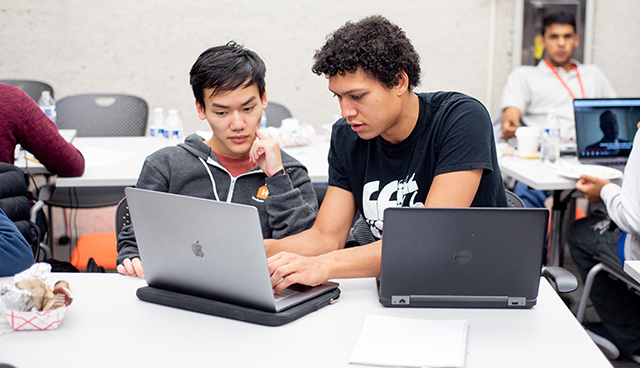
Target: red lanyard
(562, 80)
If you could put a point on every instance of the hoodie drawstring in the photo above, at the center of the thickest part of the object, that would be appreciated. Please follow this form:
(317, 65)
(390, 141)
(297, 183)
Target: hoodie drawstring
(213, 182)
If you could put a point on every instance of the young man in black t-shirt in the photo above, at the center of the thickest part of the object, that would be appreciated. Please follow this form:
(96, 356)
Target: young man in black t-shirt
(392, 148)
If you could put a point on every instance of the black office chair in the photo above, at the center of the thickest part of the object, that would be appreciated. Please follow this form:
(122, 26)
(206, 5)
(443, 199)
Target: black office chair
(32, 88)
(103, 115)
(99, 250)
(96, 115)
(14, 202)
(513, 200)
(276, 113)
(122, 215)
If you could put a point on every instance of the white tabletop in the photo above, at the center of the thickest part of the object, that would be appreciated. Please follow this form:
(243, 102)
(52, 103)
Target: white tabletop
(536, 174)
(108, 326)
(314, 157)
(112, 161)
(633, 269)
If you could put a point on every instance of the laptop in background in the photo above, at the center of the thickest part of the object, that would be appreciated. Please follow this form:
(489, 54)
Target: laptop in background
(462, 257)
(208, 249)
(605, 128)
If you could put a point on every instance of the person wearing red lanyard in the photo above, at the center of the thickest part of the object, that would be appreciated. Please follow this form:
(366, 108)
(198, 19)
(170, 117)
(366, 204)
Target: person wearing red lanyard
(531, 91)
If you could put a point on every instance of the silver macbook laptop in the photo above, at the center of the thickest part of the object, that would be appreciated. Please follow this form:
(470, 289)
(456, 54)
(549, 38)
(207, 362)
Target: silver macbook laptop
(208, 249)
(462, 257)
(605, 129)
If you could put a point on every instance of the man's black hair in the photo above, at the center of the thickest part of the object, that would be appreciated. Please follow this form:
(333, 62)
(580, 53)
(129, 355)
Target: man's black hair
(225, 68)
(559, 18)
(374, 44)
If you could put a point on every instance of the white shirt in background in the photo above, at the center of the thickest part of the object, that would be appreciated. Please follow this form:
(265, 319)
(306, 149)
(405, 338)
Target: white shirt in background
(534, 90)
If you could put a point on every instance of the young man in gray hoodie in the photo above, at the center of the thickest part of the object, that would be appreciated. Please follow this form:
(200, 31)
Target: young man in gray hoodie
(238, 163)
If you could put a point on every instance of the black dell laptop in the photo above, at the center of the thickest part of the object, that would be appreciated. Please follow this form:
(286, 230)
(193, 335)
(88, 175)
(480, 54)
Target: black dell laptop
(462, 257)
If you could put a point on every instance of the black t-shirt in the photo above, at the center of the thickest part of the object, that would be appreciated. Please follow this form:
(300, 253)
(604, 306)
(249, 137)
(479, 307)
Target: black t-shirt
(453, 133)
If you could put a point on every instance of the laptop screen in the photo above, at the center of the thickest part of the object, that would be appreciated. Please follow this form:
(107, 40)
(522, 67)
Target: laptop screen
(605, 127)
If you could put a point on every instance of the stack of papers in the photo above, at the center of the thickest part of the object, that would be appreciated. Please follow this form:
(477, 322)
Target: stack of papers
(403, 342)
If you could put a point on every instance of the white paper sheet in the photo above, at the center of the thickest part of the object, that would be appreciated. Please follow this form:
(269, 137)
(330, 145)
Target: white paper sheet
(403, 342)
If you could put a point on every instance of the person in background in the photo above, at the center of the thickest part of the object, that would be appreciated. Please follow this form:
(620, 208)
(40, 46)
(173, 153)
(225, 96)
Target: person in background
(238, 163)
(532, 91)
(392, 148)
(15, 253)
(615, 236)
(22, 122)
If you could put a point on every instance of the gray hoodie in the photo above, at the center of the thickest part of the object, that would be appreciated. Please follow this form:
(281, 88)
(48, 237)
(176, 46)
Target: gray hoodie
(191, 168)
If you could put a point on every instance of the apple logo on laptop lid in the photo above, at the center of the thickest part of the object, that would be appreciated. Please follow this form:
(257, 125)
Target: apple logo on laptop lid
(196, 248)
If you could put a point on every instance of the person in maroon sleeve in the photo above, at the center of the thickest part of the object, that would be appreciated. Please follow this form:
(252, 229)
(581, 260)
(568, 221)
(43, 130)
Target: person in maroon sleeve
(22, 122)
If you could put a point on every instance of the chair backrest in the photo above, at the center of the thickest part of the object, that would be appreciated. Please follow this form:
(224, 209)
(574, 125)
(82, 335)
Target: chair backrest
(122, 215)
(15, 203)
(276, 113)
(513, 200)
(32, 88)
(103, 115)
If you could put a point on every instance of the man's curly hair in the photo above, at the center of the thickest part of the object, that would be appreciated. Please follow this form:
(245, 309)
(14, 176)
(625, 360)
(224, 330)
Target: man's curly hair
(374, 44)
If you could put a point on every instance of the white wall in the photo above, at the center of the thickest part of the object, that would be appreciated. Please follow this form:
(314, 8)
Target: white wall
(147, 47)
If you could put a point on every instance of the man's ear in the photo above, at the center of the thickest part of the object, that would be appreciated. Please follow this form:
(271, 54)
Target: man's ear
(402, 84)
(264, 100)
(200, 109)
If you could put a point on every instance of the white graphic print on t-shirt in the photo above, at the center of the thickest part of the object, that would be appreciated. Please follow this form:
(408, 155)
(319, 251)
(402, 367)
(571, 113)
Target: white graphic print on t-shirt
(392, 195)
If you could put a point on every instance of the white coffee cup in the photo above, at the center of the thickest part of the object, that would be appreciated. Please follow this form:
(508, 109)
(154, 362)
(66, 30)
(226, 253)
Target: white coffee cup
(528, 139)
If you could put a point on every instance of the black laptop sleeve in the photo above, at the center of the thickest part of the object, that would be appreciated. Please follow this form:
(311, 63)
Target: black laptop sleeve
(227, 310)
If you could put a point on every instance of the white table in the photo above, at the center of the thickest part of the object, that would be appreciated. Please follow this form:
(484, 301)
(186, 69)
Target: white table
(108, 326)
(536, 174)
(112, 161)
(314, 157)
(543, 176)
(633, 269)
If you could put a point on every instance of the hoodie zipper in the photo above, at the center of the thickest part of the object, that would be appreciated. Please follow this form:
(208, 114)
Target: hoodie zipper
(232, 185)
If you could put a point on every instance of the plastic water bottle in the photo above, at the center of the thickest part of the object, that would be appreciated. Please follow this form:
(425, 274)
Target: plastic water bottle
(550, 150)
(173, 125)
(263, 122)
(48, 105)
(156, 129)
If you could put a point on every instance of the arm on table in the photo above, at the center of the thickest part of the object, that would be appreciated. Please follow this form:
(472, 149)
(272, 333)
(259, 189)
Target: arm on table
(456, 189)
(39, 135)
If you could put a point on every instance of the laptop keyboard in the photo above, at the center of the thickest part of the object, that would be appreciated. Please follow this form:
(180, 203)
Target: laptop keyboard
(285, 294)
